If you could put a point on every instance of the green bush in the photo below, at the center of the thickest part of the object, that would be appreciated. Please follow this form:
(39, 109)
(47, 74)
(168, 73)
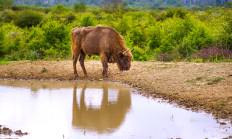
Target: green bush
(11, 38)
(2, 42)
(87, 20)
(59, 9)
(28, 18)
(166, 35)
(35, 40)
(55, 32)
(137, 37)
(154, 39)
(140, 54)
(123, 26)
(8, 16)
(56, 39)
(227, 37)
(69, 18)
(80, 7)
(178, 12)
(34, 56)
(159, 16)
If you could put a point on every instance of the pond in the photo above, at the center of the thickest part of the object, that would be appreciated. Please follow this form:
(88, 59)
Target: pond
(74, 109)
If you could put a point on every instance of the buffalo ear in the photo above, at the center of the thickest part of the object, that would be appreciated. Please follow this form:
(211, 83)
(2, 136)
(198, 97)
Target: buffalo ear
(132, 50)
(120, 54)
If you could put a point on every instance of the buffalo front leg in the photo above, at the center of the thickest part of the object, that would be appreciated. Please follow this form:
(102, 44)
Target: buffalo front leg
(105, 65)
(81, 60)
(75, 56)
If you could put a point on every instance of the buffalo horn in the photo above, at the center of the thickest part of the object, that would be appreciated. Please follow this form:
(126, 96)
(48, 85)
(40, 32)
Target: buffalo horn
(132, 50)
(125, 51)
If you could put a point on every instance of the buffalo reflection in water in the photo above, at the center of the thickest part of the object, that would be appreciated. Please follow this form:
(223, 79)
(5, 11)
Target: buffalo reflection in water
(106, 117)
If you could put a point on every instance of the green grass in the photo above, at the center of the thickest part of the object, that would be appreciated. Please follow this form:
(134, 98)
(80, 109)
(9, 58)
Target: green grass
(198, 78)
(166, 67)
(149, 66)
(44, 70)
(217, 79)
(4, 62)
(223, 103)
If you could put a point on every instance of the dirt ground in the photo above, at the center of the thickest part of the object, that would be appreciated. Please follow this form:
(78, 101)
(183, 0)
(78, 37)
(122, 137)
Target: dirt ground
(196, 86)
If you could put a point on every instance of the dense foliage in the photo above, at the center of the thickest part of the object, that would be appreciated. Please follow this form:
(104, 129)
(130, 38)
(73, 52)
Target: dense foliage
(173, 34)
(125, 3)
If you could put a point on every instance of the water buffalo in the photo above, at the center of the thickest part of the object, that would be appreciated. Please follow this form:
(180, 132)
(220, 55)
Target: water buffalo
(103, 41)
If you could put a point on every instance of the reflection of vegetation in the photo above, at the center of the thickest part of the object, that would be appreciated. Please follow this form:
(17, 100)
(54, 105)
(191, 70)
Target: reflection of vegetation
(167, 34)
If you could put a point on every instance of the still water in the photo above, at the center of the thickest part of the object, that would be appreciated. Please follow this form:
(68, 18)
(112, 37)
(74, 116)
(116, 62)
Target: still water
(57, 110)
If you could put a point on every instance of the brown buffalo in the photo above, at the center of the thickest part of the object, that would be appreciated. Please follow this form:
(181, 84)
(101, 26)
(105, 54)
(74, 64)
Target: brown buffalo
(103, 41)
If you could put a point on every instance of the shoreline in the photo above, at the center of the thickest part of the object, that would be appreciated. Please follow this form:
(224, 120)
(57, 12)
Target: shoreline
(196, 86)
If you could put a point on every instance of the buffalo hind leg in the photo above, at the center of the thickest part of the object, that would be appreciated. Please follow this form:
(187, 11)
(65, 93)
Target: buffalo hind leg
(105, 65)
(81, 60)
(75, 56)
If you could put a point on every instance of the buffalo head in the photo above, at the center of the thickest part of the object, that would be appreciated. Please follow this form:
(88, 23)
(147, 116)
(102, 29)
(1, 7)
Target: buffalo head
(124, 60)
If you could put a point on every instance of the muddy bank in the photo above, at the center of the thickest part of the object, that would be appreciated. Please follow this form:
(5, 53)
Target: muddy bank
(197, 86)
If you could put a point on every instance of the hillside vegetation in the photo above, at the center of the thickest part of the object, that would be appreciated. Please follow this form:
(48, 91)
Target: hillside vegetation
(163, 34)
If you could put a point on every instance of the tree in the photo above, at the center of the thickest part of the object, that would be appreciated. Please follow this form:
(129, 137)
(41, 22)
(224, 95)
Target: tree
(80, 7)
(6, 4)
(125, 3)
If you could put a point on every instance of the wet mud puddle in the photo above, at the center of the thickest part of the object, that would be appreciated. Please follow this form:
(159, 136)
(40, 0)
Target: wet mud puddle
(51, 109)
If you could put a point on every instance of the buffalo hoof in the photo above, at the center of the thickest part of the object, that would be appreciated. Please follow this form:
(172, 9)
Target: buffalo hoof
(76, 76)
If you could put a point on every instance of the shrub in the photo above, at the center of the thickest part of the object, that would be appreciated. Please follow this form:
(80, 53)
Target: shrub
(55, 32)
(167, 57)
(59, 9)
(6, 4)
(56, 39)
(10, 38)
(123, 26)
(140, 54)
(80, 7)
(28, 18)
(178, 12)
(137, 37)
(69, 18)
(8, 16)
(16, 8)
(215, 54)
(33, 56)
(154, 39)
(159, 16)
(36, 42)
(194, 41)
(87, 20)
(227, 37)
(2, 42)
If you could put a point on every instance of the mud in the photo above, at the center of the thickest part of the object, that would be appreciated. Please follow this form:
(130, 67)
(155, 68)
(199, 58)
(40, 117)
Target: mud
(196, 86)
